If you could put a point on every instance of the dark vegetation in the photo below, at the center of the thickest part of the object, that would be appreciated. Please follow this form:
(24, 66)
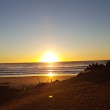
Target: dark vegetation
(7, 93)
(96, 73)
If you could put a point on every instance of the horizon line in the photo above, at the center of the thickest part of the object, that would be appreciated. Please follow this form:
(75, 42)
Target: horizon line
(51, 62)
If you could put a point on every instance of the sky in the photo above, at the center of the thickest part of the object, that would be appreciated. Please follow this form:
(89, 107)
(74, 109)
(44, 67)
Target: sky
(73, 29)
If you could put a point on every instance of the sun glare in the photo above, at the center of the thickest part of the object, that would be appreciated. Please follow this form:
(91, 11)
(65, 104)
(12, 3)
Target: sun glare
(49, 57)
(50, 74)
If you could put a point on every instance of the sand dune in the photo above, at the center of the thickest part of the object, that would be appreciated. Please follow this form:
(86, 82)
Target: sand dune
(71, 94)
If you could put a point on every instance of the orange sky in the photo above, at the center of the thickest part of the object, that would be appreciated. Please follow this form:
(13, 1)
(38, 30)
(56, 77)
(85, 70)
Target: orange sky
(73, 30)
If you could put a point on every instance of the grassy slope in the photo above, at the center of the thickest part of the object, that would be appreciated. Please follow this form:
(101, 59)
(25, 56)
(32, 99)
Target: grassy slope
(67, 95)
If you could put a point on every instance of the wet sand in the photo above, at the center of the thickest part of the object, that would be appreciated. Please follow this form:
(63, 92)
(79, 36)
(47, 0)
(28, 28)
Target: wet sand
(30, 80)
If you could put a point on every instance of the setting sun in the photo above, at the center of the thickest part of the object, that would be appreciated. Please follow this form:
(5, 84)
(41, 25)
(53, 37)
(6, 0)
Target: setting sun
(50, 57)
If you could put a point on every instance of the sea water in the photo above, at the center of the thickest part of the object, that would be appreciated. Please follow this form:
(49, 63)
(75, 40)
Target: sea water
(40, 69)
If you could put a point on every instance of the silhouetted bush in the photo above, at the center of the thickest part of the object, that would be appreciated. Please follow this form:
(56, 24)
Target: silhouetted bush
(95, 67)
(108, 65)
(96, 72)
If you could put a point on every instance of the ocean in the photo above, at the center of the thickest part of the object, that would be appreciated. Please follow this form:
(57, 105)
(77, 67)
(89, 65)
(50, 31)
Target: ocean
(42, 69)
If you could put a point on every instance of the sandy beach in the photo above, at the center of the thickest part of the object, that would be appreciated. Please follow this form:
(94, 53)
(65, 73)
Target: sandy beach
(70, 94)
(30, 80)
(88, 90)
(54, 54)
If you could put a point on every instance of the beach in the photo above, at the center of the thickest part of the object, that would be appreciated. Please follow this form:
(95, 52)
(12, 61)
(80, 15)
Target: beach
(54, 54)
(88, 90)
(70, 94)
(20, 81)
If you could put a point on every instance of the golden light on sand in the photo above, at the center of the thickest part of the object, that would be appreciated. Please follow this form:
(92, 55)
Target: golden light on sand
(50, 57)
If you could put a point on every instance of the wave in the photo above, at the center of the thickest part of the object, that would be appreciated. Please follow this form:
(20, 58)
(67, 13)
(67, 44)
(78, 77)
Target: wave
(44, 68)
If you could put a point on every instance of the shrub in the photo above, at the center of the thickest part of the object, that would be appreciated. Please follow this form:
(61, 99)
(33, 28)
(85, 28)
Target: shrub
(95, 67)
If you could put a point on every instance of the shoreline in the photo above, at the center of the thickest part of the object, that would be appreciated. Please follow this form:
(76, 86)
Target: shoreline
(31, 80)
(32, 75)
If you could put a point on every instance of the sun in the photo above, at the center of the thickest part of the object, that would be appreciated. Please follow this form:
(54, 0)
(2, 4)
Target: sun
(50, 57)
